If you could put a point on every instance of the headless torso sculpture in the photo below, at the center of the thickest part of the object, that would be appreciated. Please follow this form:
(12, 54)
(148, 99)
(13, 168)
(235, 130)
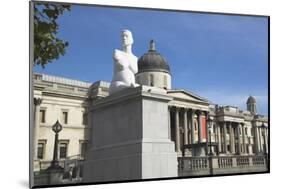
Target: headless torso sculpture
(125, 65)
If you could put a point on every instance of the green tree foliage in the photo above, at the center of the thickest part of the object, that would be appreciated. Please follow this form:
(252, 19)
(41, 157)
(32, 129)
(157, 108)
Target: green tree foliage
(47, 46)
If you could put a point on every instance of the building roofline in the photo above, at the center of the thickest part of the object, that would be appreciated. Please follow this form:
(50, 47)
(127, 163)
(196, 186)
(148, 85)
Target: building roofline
(63, 80)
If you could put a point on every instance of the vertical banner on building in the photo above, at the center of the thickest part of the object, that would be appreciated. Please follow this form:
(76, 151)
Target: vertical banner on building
(203, 127)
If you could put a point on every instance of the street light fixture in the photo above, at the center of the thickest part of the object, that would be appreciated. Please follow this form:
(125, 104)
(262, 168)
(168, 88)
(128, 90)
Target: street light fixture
(57, 127)
(209, 121)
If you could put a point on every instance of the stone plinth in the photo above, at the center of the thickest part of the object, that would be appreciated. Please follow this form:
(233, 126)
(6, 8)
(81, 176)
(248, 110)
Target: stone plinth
(130, 137)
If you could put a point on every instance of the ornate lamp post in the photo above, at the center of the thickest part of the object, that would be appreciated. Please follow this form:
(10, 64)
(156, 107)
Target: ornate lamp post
(210, 144)
(209, 121)
(57, 127)
(263, 127)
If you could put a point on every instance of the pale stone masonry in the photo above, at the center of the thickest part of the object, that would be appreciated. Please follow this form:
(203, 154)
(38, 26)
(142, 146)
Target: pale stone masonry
(52, 97)
(55, 95)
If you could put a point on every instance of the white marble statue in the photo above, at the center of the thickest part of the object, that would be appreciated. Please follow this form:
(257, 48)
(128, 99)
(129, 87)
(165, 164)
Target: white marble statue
(125, 65)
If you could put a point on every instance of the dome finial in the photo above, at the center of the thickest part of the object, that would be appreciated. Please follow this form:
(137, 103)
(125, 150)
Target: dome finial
(152, 45)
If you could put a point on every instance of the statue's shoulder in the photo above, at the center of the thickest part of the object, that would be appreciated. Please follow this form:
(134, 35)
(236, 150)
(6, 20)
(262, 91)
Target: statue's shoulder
(117, 51)
(117, 54)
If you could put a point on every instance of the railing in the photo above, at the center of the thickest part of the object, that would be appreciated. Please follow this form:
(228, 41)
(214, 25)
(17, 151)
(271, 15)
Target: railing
(221, 164)
(225, 162)
(259, 160)
(243, 161)
(73, 167)
(194, 163)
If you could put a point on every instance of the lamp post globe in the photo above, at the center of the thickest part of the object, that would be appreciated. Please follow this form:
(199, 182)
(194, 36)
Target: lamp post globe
(57, 127)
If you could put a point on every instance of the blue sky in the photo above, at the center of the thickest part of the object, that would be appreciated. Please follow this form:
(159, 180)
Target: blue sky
(219, 57)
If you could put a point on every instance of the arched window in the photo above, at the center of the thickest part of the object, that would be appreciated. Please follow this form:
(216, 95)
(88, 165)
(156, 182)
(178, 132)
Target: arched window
(151, 80)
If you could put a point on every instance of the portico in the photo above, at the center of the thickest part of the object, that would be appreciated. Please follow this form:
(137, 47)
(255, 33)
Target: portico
(187, 123)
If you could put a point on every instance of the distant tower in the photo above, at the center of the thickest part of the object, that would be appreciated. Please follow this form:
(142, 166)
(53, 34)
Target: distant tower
(251, 105)
(153, 69)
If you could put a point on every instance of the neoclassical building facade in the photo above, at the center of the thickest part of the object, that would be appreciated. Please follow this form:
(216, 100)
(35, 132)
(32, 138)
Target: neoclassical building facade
(196, 126)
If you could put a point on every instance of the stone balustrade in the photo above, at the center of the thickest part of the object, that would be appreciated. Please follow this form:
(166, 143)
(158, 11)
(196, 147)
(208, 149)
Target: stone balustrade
(194, 163)
(195, 166)
(224, 162)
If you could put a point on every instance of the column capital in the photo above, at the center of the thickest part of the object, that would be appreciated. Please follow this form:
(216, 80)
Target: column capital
(240, 124)
(173, 108)
(191, 110)
(199, 112)
(206, 113)
(230, 123)
(37, 101)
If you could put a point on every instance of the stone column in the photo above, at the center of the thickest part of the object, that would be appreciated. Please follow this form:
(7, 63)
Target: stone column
(266, 140)
(231, 137)
(207, 125)
(238, 138)
(192, 125)
(169, 122)
(260, 139)
(37, 102)
(185, 127)
(219, 137)
(224, 136)
(256, 139)
(243, 139)
(199, 126)
(177, 129)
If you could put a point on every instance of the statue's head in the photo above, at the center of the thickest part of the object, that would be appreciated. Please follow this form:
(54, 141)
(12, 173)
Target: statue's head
(127, 38)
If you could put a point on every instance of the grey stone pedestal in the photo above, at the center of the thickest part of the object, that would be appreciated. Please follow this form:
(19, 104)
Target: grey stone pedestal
(130, 137)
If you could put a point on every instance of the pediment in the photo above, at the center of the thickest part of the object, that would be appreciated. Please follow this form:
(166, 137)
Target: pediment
(187, 96)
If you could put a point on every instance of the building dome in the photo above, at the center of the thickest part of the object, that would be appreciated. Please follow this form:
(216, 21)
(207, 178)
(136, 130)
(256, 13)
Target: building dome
(251, 100)
(251, 105)
(153, 61)
(153, 69)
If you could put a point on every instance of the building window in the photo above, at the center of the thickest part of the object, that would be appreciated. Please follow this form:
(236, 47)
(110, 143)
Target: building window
(42, 116)
(165, 81)
(41, 149)
(63, 147)
(252, 131)
(83, 148)
(214, 129)
(195, 126)
(85, 118)
(65, 117)
(246, 131)
(151, 80)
